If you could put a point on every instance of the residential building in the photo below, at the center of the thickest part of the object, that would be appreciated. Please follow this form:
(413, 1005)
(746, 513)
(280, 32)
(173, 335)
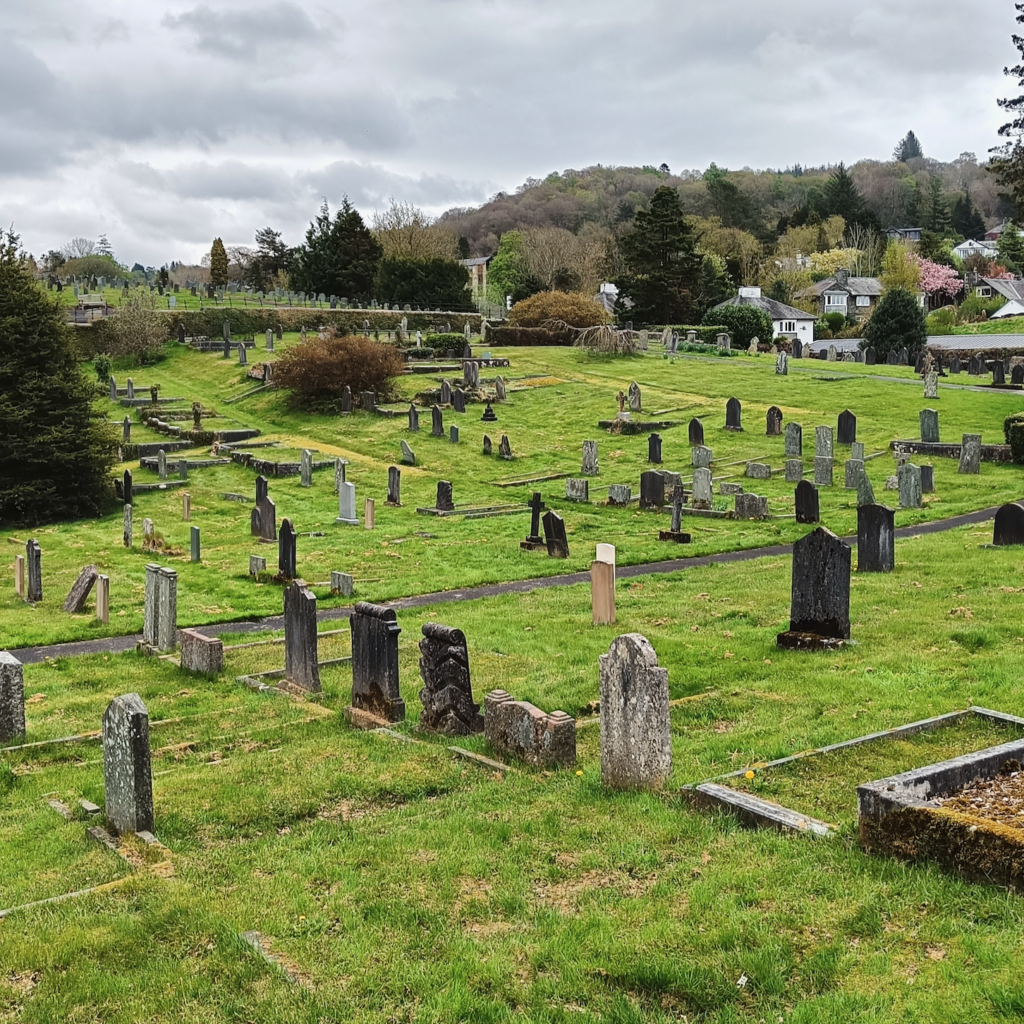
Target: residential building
(851, 296)
(974, 248)
(477, 268)
(904, 234)
(787, 321)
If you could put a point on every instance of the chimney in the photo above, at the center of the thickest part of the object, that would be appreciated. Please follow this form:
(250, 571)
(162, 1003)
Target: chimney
(842, 278)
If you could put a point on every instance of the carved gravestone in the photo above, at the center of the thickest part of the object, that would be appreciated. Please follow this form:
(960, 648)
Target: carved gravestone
(127, 775)
(437, 422)
(636, 743)
(794, 442)
(733, 415)
(126, 487)
(929, 426)
(1008, 528)
(675, 533)
(652, 491)
(301, 663)
(447, 693)
(696, 431)
(909, 478)
(820, 593)
(847, 428)
(242, 359)
(798, 348)
(635, 398)
(444, 502)
(577, 490)
(773, 422)
(554, 535)
(970, 453)
(12, 698)
(374, 631)
(654, 449)
(904, 357)
(286, 551)
(701, 457)
(876, 532)
(807, 506)
(831, 354)
(75, 601)
(515, 728)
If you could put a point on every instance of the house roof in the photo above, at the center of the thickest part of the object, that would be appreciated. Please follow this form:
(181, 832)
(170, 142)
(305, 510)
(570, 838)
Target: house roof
(1012, 308)
(775, 309)
(854, 286)
(1011, 289)
(476, 261)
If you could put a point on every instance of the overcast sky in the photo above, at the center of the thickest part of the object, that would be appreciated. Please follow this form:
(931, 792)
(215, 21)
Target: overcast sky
(164, 124)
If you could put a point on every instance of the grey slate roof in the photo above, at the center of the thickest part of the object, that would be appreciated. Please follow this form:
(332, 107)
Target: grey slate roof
(855, 286)
(775, 309)
(1012, 290)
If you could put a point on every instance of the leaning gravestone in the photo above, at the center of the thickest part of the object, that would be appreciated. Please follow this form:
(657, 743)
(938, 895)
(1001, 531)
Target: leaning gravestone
(374, 631)
(773, 422)
(970, 453)
(733, 415)
(554, 535)
(909, 478)
(847, 428)
(636, 742)
(590, 465)
(929, 426)
(75, 601)
(876, 530)
(447, 693)
(1008, 528)
(696, 432)
(301, 666)
(408, 455)
(127, 776)
(518, 729)
(794, 440)
(820, 592)
(652, 491)
(807, 505)
(12, 698)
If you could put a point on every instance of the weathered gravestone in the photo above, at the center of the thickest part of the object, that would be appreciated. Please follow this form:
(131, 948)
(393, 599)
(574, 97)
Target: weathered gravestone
(733, 415)
(12, 698)
(904, 359)
(998, 373)
(798, 348)
(453, 434)
(636, 747)
(927, 479)
(634, 398)
(286, 551)
(161, 464)
(823, 468)
(751, 506)
(577, 490)
(375, 630)
(414, 418)
(807, 504)
(929, 426)
(459, 400)
(75, 601)
(852, 471)
(437, 422)
(342, 583)
(773, 422)
(919, 362)
(703, 486)
(394, 486)
(160, 613)
(515, 728)
(408, 455)
(847, 428)
(270, 339)
(870, 359)
(499, 388)
(931, 385)
(204, 654)
(831, 354)
(347, 504)
(534, 541)
(446, 393)
(619, 495)
(554, 535)
(340, 470)
(954, 365)
(782, 364)
(1009, 524)
(447, 693)
(652, 491)
(182, 469)
(823, 442)
(504, 449)
(759, 471)
(306, 468)
(346, 400)
(970, 453)
(794, 442)
(654, 449)
(131, 387)
(701, 457)
(820, 593)
(301, 664)
(127, 776)
(794, 471)
(266, 521)
(590, 465)
(1017, 374)
(908, 477)
(876, 531)
(444, 501)
(126, 526)
(242, 359)
(696, 432)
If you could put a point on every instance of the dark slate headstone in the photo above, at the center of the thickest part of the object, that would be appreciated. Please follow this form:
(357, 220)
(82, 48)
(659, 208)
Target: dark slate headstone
(374, 631)
(286, 551)
(927, 479)
(394, 486)
(798, 349)
(554, 535)
(12, 698)
(847, 432)
(904, 357)
(654, 449)
(954, 365)
(929, 420)
(876, 531)
(1009, 524)
(126, 487)
(127, 776)
(437, 422)
(892, 358)
(1017, 374)
(733, 415)
(414, 418)
(75, 601)
(869, 356)
(444, 501)
(998, 373)
(652, 490)
(807, 508)
(696, 432)
(773, 422)
(33, 572)
(267, 510)
(346, 400)
(459, 400)
(254, 522)
(820, 602)
(504, 448)
(369, 401)
(301, 665)
(488, 445)
(447, 693)
(446, 393)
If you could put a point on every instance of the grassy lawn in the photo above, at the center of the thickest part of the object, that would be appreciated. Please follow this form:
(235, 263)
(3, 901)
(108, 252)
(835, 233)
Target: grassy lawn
(399, 883)
(555, 399)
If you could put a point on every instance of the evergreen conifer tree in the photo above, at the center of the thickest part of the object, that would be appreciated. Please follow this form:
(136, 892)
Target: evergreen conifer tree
(965, 218)
(55, 458)
(340, 256)
(218, 264)
(842, 197)
(908, 148)
(897, 323)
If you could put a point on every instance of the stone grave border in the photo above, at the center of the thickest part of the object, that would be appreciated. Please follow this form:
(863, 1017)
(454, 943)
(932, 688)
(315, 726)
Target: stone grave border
(757, 812)
(475, 511)
(940, 450)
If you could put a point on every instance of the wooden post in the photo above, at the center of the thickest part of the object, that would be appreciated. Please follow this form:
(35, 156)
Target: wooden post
(602, 592)
(103, 599)
(19, 576)
(368, 513)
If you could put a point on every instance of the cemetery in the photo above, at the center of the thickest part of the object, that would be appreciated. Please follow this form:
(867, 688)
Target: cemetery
(345, 721)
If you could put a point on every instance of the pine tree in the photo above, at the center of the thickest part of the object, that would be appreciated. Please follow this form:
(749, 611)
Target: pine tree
(842, 198)
(897, 323)
(55, 458)
(965, 218)
(908, 148)
(340, 256)
(662, 265)
(937, 218)
(218, 264)
(1008, 159)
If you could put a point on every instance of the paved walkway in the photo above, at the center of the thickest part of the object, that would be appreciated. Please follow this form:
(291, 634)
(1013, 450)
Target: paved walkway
(118, 644)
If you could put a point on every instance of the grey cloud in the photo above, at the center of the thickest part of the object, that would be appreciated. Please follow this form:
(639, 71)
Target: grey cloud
(245, 33)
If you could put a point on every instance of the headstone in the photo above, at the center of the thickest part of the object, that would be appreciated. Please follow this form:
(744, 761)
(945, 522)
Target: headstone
(306, 468)
(127, 775)
(857, 451)
(369, 401)
(266, 520)
(204, 654)
(820, 603)
(161, 464)
(347, 504)
(346, 400)
(954, 365)
(634, 397)
(242, 360)
(127, 526)
(892, 483)
(696, 431)
(257, 564)
(752, 347)
(733, 414)
(701, 457)
(394, 486)
(794, 440)
(488, 448)
(654, 449)
(702, 489)
(602, 592)
(12, 698)
(1017, 374)
(807, 504)
(437, 422)
(929, 426)
(636, 742)
(504, 449)
(852, 470)
(1008, 527)
(876, 531)
(19, 576)
(74, 603)
(970, 453)
(126, 430)
(919, 362)
(459, 400)
(909, 478)
(447, 694)
(847, 428)
(758, 471)
(342, 583)
(823, 442)
(194, 544)
(998, 373)
(182, 469)
(870, 358)
(408, 455)
(798, 348)
(619, 495)
(931, 385)
(446, 393)
(471, 373)
(590, 466)
(927, 479)
(103, 599)
(270, 339)
(340, 468)
(751, 506)
(113, 389)
(301, 667)
(554, 535)
(375, 689)
(131, 388)
(652, 491)
(831, 353)
(823, 468)
(34, 572)
(515, 728)
(904, 357)
(534, 540)
(444, 502)
(499, 388)
(489, 416)
(794, 471)
(577, 490)
(773, 422)
(453, 434)
(414, 418)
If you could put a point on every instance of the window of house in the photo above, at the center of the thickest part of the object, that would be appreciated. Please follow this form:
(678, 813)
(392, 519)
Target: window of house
(835, 300)
(789, 327)
(985, 293)
(863, 300)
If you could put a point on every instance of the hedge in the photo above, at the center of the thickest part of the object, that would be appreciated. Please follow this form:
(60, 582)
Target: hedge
(1013, 431)
(509, 337)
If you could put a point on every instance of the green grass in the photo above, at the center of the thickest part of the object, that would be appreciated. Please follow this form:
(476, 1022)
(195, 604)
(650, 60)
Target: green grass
(404, 884)
(556, 398)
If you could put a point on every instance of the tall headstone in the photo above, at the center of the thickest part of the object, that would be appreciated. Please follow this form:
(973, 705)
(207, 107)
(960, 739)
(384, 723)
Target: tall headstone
(414, 418)
(437, 422)
(820, 601)
(346, 401)
(998, 373)
(696, 432)
(394, 486)
(807, 505)
(702, 489)
(195, 551)
(636, 742)
(823, 442)
(823, 470)
(446, 393)
(306, 468)
(103, 599)
(447, 694)
(126, 429)
(733, 414)
(554, 535)
(375, 689)
(347, 504)
(909, 478)
(590, 465)
(459, 400)
(970, 453)
(242, 359)
(931, 385)
(782, 364)
(301, 666)
(131, 388)
(635, 398)
(127, 775)
(794, 435)
(929, 426)
(19, 576)
(286, 551)
(12, 698)
(270, 339)
(161, 464)
(499, 388)
(126, 526)
(794, 471)
(773, 422)
(654, 449)
(876, 531)
(445, 501)
(847, 428)
(927, 479)
(113, 389)
(34, 572)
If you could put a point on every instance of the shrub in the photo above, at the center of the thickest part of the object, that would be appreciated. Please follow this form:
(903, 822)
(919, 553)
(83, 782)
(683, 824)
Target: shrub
(445, 341)
(317, 371)
(527, 337)
(136, 329)
(836, 322)
(101, 364)
(546, 308)
(436, 282)
(897, 323)
(822, 329)
(744, 323)
(975, 308)
(1013, 431)
(941, 321)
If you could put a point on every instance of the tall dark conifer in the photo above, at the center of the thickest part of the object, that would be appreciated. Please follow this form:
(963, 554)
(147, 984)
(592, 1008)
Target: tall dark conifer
(340, 256)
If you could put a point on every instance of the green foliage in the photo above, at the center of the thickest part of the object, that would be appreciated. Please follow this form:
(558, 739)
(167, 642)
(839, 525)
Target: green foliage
(94, 265)
(835, 322)
(317, 371)
(1013, 431)
(975, 308)
(340, 256)
(571, 308)
(662, 268)
(218, 264)
(842, 198)
(434, 282)
(898, 322)
(941, 322)
(936, 247)
(965, 218)
(101, 364)
(527, 337)
(908, 148)
(1011, 248)
(744, 323)
(55, 458)
(272, 258)
(736, 209)
(508, 274)
(936, 217)
(452, 340)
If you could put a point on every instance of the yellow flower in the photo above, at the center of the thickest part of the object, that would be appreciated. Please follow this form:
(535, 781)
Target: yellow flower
(579, 773)
(748, 775)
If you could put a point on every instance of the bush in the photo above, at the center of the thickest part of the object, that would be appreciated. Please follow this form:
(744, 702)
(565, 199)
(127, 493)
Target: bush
(744, 323)
(544, 308)
(445, 341)
(822, 329)
(974, 308)
(526, 337)
(101, 364)
(835, 321)
(136, 329)
(941, 321)
(317, 371)
(897, 323)
(1013, 431)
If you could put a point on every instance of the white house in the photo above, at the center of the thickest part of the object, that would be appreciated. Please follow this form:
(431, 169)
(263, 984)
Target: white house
(973, 248)
(787, 321)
